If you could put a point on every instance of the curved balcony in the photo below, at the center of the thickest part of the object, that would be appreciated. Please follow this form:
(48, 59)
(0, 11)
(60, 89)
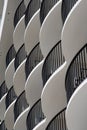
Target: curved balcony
(10, 55)
(20, 56)
(3, 89)
(52, 62)
(34, 57)
(20, 105)
(76, 72)
(66, 7)
(33, 6)
(45, 8)
(11, 96)
(2, 126)
(19, 12)
(35, 115)
(58, 122)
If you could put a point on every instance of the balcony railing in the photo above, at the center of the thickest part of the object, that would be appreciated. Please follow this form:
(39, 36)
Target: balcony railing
(11, 96)
(3, 89)
(2, 126)
(19, 12)
(46, 6)
(34, 57)
(66, 7)
(52, 62)
(58, 122)
(35, 115)
(10, 55)
(33, 6)
(20, 56)
(76, 72)
(20, 105)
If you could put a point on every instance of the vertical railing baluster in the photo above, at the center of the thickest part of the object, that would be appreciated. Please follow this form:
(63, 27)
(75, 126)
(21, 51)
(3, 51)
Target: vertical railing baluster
(52, 62)
(20, 105)
(78, 67)
(35, 115)
(34, 57)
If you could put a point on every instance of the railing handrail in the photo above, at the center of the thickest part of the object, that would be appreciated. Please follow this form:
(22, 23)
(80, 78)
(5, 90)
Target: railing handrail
(5, 88)
(16, 57)
(67, 9)
(43, 15)
(10, 99)
(19, 97)
(46, 59)
(2, 122)
(33, 49)
(19, 6)
(42, 2)
(52, 50)
(27, 10)
(12, 50)
(35, 105)
(73, 60)
(55, 118)
(15, 106)
(2, 125)
(2, 83)
(76, 56)
(29, 56)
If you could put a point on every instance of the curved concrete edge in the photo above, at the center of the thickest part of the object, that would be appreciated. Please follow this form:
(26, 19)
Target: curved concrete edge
(18, 35)
(9, 116)
(34, 84)
(9, 74)
(76, 110)
(20, 123)
(50, 32)
(19, 78)
(2, 107)
(74, 31)
(54, 95)
(31, 36)
(42, 125)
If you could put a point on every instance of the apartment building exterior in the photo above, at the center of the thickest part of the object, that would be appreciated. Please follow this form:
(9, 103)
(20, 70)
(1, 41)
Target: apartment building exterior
(43, 66)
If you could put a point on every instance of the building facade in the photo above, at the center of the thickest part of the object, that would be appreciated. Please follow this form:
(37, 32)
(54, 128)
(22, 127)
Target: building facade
(43, 65)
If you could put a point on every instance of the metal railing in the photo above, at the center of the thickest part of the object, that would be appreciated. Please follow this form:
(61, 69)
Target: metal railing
(20, 105)
(10, 55)
(3, 89)
(76, 72)
(46, 6)
(35, 115)
(20, 56)
(2, 126)
(34, 57)
(58, 122)
(33, 6)
(52, 62)
(19, 12)
(66, 7)
(10, 97)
